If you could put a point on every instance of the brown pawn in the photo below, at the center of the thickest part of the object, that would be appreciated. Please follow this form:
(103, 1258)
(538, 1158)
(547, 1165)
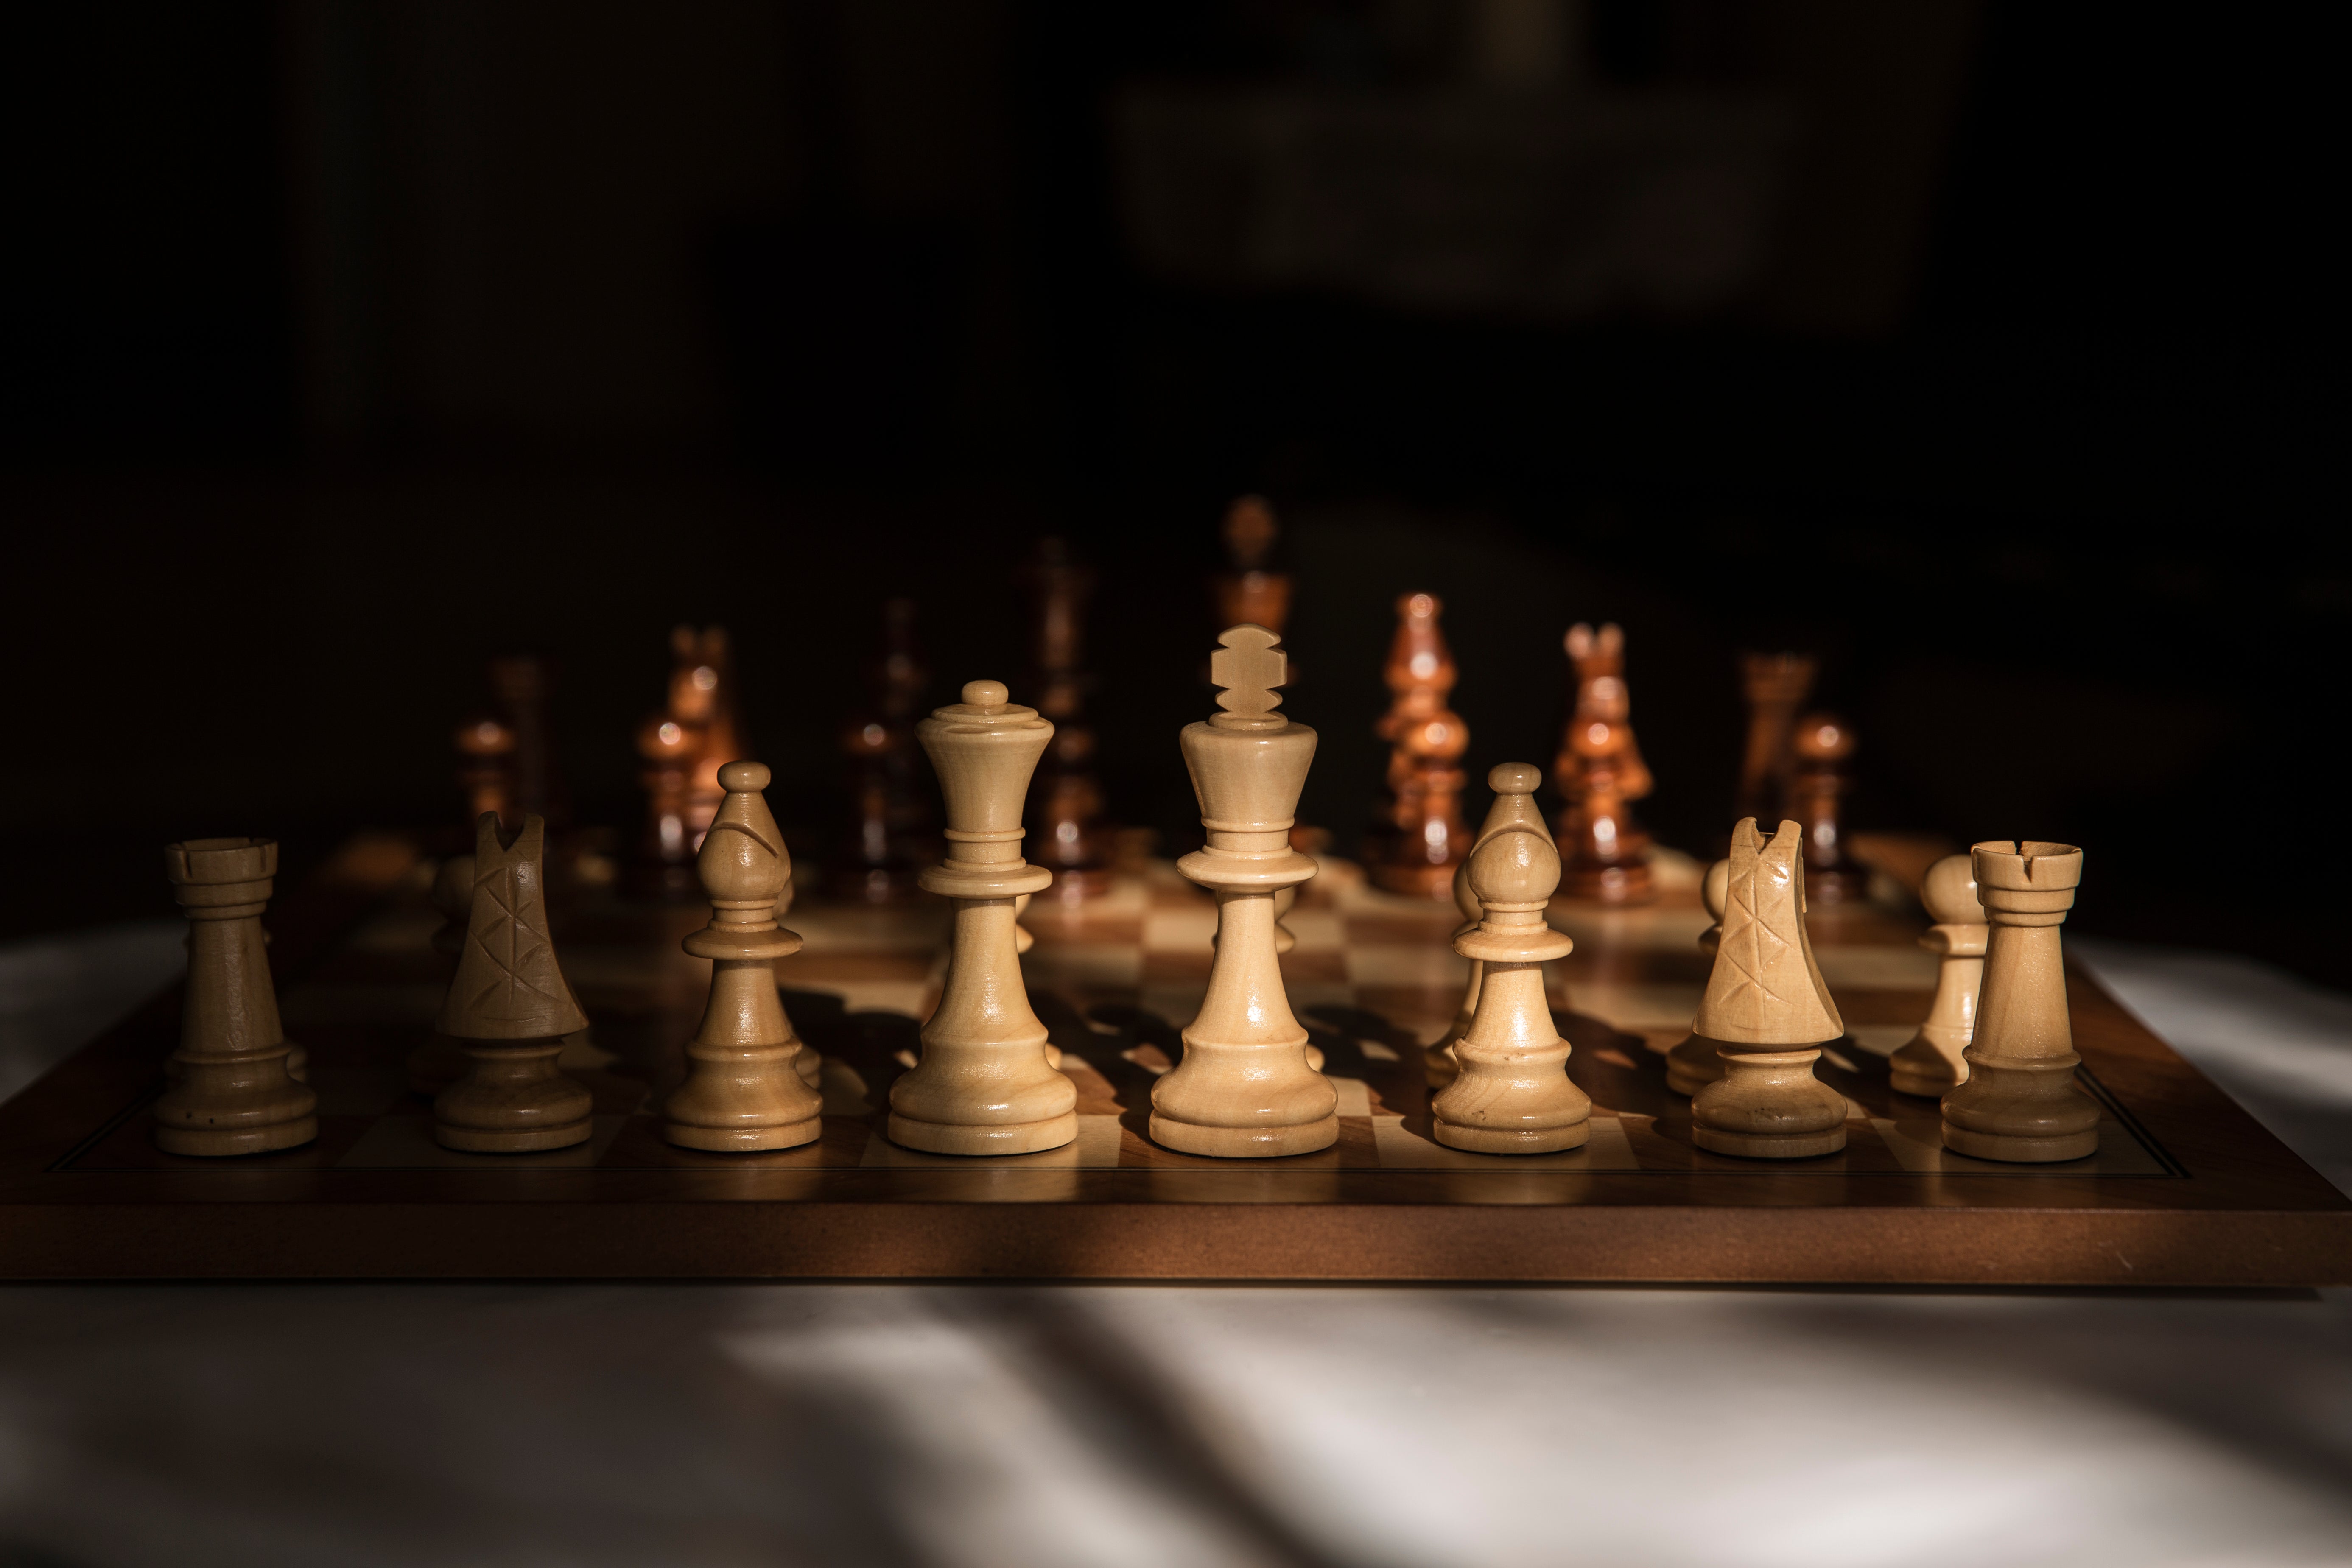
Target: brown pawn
(1513, 785)
(1820, 778)
(1776, 685)
(744, 1086)
(1601, 773)
(1770, 1011)
(702, 698)
(440, 1061)
(1068, 830)
(511, 1008)
(880, 863)
(486, 745)
(664, 866)
(1415, 848)
(2020, 1100)
(228, 1088)
(1513, 1096)
(524, 685)
(1249, 593)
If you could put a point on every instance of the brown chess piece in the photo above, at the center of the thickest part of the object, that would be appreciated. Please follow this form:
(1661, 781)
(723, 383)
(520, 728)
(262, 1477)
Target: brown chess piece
(1067, 829)
(1248, 594)
(1820, 777)
(230, 1086)
(1421, 838)
(1251, 592)
(524, 685)
(1776, 685)
(879, 864)
(509, 1006)
(486, 745)
(664, 866)
(1605, 854)
(702, 697)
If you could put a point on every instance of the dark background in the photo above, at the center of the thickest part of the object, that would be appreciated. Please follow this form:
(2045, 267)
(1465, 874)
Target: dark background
(345, 344)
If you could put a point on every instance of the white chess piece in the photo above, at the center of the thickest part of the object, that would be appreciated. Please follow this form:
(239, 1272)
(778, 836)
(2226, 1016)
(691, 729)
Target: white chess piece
(1695, 1061)
(743, 1089)
(1770, 1011)
(2020, 1100)
(1513, 785)
(984, 1085)
(1929, 1063)
(1246, 1086)
(1512, 1095)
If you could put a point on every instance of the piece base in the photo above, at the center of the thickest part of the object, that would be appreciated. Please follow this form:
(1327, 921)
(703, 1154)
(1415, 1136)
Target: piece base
(214, 1143)
(1438, 1065)
(1906, 1080)
(1692, 1063)
(810, 1066)
(952, 1137)
(1510, 1141)
(2020, 1151)
(1245, 1142)
(1768, 1145)
(744, 1140)
(1685, 1079)
(512, 1140)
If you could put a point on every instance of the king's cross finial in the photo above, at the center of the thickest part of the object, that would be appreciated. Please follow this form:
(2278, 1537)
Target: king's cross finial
(1249, 666)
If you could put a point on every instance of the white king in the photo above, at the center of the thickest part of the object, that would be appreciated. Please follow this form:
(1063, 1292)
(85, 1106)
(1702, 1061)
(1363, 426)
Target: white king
(1246, 1086)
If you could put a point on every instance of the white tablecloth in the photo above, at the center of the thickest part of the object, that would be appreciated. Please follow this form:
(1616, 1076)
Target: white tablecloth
(970, 1426)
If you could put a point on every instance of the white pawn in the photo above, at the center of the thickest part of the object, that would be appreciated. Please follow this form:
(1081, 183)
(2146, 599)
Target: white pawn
(1695, 1061)
(743, 1089)
(984, 1085)
(1513, 785)
(1512, 1096)
(1930, 1063)
(1245, 1087)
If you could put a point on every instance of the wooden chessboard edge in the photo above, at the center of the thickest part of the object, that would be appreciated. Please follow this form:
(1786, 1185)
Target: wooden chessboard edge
(1264, 1243)
(114, 1229)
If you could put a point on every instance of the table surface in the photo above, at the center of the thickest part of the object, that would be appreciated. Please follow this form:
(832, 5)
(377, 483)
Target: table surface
(855, 1423)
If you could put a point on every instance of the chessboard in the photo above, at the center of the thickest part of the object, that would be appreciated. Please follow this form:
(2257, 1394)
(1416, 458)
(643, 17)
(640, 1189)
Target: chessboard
(2185, 1189)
